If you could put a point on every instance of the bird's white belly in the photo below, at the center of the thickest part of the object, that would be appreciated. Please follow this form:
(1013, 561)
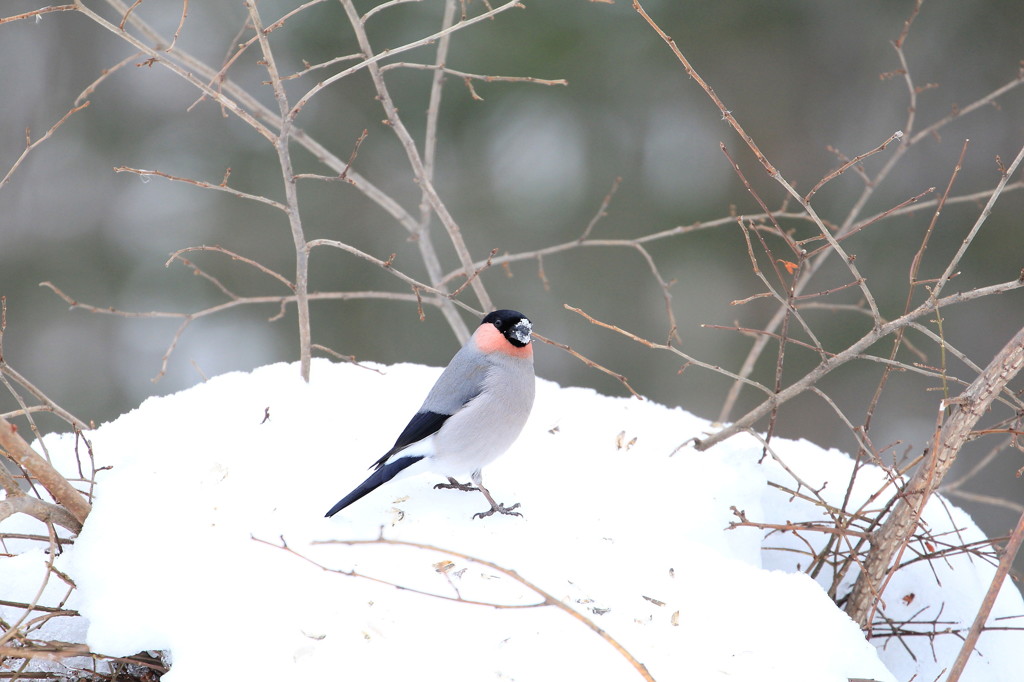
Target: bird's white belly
(476, 436)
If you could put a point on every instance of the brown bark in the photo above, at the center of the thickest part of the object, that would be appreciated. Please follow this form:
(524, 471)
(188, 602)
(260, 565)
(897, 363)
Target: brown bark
(15, 447)
(949, 438)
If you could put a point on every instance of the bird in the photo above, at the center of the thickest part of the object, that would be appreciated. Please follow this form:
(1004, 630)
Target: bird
(472, 415)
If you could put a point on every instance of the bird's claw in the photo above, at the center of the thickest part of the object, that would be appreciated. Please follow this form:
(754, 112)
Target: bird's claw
(500, 508)
(452, 484)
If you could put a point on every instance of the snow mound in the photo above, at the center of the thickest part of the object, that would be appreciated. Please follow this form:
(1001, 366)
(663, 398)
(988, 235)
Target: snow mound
(207, 539)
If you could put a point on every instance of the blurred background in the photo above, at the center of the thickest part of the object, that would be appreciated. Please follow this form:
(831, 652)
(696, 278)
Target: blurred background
(523, 168)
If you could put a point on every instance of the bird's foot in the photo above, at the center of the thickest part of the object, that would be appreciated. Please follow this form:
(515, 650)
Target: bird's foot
(500, 508)
(452, 484)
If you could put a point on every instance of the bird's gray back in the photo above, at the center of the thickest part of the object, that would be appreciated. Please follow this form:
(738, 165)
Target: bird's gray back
(461, 381)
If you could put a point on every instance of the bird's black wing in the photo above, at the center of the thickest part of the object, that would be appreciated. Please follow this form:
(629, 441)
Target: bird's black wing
(422, 424)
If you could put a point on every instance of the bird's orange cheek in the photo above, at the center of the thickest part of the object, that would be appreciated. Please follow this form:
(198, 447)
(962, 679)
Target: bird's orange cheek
(489, 340)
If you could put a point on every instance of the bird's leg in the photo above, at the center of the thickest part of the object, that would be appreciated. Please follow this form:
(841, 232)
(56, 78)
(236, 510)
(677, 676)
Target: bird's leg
(495, 506)
(452, 484)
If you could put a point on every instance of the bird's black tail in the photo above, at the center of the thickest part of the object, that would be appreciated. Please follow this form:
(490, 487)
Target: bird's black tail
(374, 481)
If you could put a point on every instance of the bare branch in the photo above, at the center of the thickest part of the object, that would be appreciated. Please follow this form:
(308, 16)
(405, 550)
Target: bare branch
(851, 352)
(282, 146)
(383, 6)
(602, 210)
(30, 145)
(895, 137)
(371, 58)
(548, 598)
(387, 265)
(954, 262)
(621, 378)
(280, 301)
(15, 447)
(183, 70)
(177, 255)
(473, 76)
(104, 75)
(412, 153)
(47, 512)
(421, 231)
(657, 346)
(38, 13)
(954, 432)
(222, 187)
(726, 113)
(181, 24)
(1005, 562)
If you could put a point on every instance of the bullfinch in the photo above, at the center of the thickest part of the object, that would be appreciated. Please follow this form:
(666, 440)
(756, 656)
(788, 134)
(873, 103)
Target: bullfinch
(471, 416)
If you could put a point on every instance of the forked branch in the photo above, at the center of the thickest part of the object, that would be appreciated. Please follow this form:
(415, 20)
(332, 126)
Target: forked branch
(547, 598)
(890, 541)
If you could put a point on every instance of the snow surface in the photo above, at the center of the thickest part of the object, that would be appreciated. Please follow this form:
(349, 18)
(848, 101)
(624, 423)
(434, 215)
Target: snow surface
(182, 551)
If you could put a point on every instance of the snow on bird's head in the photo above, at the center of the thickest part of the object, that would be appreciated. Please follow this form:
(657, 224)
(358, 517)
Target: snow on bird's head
(520, 332)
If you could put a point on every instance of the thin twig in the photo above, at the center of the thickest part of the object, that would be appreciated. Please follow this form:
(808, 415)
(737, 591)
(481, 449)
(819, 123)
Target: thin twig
(892, 539)
(850, 353)
(383, 6)
(182, 70)
(548, 598)
(411, 151)
(1005, 561)
(222, 187)
(726, 113)
(913, 282)
(621, 378)
(474, 76)
(181, 24)
(895, 137)
(177, 255)
(38, 13)
(602, 210)
(104, 75)
(188, 318)
(421, 231)
(388, 265)
(660, 346)
(282, 145)
(31, 145)
(371, 58)
(954, 262)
